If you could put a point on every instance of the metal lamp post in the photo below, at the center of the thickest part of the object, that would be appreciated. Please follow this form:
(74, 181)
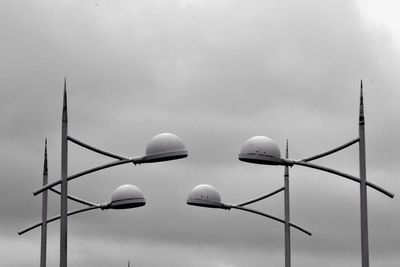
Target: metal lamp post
(162, 147)
(43, 235)
(263, 150)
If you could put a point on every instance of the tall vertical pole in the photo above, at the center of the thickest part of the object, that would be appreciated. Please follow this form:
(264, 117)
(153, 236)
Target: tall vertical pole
(363, 187)
(287, 213)
(43, 242)
(64, 185)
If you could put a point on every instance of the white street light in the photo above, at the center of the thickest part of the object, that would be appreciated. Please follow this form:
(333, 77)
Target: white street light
(162, 147)
(207, 196)
(253, 151)
(124, 197)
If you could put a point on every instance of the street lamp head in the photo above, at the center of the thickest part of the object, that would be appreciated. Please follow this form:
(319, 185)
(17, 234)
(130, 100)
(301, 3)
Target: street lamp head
(205, 195)
(261, 150)
(126, 197)
(163, 147)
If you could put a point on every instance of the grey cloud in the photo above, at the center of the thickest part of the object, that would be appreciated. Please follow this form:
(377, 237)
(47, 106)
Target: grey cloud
(215, 74)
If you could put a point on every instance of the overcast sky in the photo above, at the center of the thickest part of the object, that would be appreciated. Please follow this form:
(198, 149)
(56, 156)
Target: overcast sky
(215, 73)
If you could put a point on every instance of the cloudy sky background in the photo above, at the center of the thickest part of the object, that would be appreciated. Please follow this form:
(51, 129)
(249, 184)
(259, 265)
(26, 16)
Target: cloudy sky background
(214, 73)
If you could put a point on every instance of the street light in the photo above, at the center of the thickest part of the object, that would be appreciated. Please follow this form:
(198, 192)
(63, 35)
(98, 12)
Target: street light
(263, 150)
(163, 147)
(207, 196)
(124, 197)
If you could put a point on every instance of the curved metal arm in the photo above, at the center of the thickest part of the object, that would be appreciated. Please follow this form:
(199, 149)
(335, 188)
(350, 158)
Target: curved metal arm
(345, 175)
(332, 150)
(271, 217)
(261, 197)
(105, 153)
(136, 160)
(58, 217)
(76, 199)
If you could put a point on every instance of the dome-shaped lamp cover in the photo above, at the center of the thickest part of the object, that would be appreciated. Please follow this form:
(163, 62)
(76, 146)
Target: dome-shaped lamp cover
(261, 150)
(127, 196)
(163, 147)
(205, 195)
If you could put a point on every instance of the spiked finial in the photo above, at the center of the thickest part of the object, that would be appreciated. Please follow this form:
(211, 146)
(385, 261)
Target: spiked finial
(361, 118)
(287, 148)
(65, 113)
(45, 158)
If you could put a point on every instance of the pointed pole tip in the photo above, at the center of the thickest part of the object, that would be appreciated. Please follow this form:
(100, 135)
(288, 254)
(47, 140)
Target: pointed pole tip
(287, 148)
(361, 113)
(64, 112)
(361, 86)
(45, 158)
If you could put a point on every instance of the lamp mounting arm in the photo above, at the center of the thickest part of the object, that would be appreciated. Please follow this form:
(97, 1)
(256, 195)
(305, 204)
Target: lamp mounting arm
(345, 175)
(260, 197)
(334, 150)
(74, 198)
(52, 219)
(136, 160)
(102, 152)
(270, 217)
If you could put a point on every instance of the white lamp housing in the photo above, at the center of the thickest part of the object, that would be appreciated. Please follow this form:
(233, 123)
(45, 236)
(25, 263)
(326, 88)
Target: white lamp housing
(126, 197)
(261, 150)
(205, 195)
(163, 147)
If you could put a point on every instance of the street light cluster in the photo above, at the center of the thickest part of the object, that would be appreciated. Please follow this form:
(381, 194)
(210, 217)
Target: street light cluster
(162, 147)
(167, 146)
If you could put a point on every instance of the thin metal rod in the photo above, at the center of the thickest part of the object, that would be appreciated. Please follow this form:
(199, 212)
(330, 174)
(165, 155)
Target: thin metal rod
(270, 217)
(98, 168)
(363, 187)
(43, 242)
(260, 197)
(324, 154)
(74, 198)
(64, 182)
(287, 212)
(102, 152)
(345, 175)
(52, 219)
